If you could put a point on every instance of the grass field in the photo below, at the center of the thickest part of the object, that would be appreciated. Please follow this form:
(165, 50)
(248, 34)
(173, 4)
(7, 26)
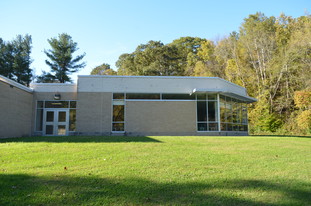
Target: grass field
(253, 170)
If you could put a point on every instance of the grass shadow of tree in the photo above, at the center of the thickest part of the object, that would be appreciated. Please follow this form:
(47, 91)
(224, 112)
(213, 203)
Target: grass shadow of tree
(20, 189)
(81, 139)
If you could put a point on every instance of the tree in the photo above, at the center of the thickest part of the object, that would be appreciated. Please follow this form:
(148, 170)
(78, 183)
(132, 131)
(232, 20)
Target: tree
(303, 102)
(270, 56)
(151, 59)
(15, 59)
(103, 69)
(46, 78)
(6, 59)
(61, 62)
(188, 48)
(22, 60)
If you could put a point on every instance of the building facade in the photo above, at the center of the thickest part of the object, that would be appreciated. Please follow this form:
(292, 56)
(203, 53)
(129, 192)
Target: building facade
(128, 105)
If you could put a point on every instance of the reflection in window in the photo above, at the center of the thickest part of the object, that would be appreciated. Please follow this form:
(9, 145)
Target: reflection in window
(50, 116)
(202, 126)
(233, 114)
(39, 104)
(212, 114)
(201, 111)
(207, 112)
(201, 96)
(56, 104)
(118, 127)
(213, 126)
(229, 109)
(142, 96)
(178, 96)
(118, 116)
(61, 130)
(118, 113)
(49, 129)
(211, 97)
(222, 109)
(39, 119)
(118, 95)
(72, 120)
(61, 116)
(73, 104)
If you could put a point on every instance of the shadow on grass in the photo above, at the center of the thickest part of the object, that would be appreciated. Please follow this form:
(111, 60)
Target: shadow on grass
(280, 136)
(19, 189)
(78, 139)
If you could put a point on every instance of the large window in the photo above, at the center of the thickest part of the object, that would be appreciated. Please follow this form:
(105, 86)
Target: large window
(178, 96)
(233, 114)
(142, 96)
(207, 115)
(153, 96)
(118, 106)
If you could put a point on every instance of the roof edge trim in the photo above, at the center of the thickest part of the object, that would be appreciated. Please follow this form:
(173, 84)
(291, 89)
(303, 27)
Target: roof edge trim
(15, 84)
(158, 77)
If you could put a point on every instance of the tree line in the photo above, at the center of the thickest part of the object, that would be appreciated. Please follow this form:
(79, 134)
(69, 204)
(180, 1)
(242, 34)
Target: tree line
(270, 56)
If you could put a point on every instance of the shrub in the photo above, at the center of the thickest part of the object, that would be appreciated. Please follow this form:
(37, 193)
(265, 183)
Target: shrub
(304, 120)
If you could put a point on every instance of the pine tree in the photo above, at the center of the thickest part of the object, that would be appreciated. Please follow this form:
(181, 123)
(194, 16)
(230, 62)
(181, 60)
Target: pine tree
(62, 62)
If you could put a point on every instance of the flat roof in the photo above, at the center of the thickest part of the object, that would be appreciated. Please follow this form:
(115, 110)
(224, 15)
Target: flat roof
(161, 84)
(156, 77)
(148, 84)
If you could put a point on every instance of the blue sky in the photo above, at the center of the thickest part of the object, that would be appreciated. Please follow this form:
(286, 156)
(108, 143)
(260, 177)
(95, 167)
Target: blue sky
(105, 29)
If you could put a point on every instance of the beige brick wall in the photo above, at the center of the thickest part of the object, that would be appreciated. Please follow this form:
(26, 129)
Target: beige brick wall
(16, 111)
(50, 95)
(94, 113)
(160, 117)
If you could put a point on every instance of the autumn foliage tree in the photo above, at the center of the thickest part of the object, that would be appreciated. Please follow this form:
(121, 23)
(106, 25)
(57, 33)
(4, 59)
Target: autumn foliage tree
(303, 102)
(103, 69)
(270, 56)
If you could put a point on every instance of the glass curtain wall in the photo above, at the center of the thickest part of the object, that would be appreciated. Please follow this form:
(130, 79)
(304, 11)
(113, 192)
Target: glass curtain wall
(207, 112)
(233, 114)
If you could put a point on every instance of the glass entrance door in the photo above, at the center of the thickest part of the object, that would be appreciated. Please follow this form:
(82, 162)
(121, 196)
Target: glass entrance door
(55, 122)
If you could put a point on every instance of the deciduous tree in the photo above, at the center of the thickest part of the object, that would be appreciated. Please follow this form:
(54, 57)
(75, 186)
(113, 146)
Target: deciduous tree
(103, 69)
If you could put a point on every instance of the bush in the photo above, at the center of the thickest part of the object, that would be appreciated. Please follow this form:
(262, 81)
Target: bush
(304, 121)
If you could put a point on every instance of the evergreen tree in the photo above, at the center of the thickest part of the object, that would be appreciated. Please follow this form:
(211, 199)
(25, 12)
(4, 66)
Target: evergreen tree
(22, 60)
(61, 60)
(15, 59)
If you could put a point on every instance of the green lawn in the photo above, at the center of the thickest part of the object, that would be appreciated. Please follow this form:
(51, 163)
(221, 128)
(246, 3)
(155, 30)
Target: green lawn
(253, 170)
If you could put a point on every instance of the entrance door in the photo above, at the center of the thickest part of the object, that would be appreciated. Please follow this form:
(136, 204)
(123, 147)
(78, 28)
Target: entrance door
(55, 122)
